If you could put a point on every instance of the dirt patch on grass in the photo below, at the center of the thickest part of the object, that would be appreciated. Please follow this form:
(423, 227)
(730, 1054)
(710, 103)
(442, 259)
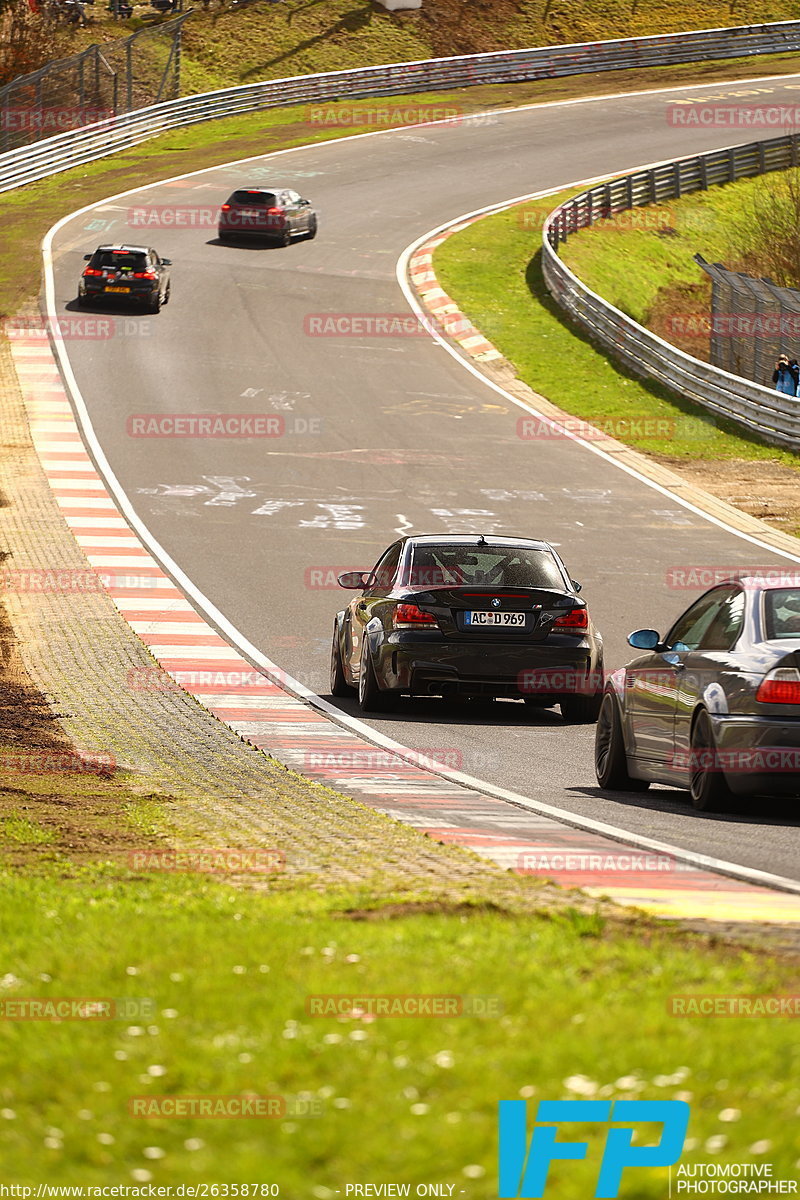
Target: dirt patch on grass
(389, 912)
(680, 315)
(763, 489)
(26, 722)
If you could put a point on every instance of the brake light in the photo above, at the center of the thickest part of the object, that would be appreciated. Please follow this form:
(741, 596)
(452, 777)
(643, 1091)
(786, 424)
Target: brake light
(573, 621)
(408, 616)
(92, 271)
(275, 212)
(781, 686)
(144, 275)
(226, 208)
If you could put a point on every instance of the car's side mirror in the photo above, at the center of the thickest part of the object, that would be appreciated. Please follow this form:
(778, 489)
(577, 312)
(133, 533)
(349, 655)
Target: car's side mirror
(578, 586)
(166, 262)
(644, 639)
(354, 580)
(87, 258)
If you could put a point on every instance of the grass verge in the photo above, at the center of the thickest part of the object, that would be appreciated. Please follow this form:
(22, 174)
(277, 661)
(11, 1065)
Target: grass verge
(212, 984)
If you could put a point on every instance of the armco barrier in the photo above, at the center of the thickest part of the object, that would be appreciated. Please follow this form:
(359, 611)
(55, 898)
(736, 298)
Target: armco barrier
(774, 417)
(59, 153)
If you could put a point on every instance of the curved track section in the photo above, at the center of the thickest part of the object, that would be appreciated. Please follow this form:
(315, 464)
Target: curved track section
(389, 434)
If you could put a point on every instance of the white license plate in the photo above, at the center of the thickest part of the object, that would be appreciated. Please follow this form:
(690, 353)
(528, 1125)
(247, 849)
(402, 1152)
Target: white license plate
(494, 618)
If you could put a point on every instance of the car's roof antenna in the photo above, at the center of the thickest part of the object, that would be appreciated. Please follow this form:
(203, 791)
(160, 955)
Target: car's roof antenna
(481, 540)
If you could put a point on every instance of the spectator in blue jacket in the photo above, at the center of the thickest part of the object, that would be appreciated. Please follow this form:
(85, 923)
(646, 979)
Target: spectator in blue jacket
(786, 376)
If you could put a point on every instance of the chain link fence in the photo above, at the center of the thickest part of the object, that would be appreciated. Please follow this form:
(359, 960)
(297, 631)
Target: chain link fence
(101, 82)
(753, 321)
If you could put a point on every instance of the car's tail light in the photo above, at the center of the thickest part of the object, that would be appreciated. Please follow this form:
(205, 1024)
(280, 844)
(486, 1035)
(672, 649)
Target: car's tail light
(781, 686)
(573, 622)
(92, 271)
(144, 275)
(226, 208)
(274, 212)
(408, 616)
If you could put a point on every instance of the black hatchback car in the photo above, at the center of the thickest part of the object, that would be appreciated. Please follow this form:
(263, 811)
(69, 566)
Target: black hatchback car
(275, 213)
(468, 616)
(131, 273)
(714, 705)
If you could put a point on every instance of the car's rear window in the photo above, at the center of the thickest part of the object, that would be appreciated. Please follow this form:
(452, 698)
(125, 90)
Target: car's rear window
(782, 611)
(122, 260)
(487, 566)
(254, 199)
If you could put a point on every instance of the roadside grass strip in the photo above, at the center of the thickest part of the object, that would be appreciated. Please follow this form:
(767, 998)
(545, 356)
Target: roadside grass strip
(219, 992)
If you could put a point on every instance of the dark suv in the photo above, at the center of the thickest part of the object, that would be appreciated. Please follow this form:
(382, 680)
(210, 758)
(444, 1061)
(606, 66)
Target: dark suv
(133, 273)
(277, 213)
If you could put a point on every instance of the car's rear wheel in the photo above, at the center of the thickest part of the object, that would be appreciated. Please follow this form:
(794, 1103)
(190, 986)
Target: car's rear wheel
(708, 787)
(370, 696)
(155, 303)
(285, 239)
(610, 759)
(339, 685)
(166, 293)
(312, 228)
(580, 710)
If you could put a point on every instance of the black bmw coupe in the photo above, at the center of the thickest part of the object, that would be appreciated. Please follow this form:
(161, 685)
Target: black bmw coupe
(470, 616)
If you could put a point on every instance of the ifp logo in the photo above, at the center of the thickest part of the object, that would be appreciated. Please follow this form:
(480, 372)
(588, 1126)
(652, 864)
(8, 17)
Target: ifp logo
(524, 1169)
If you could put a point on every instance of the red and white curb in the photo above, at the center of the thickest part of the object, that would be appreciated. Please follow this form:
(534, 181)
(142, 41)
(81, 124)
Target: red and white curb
(196, 657)
(436, 301)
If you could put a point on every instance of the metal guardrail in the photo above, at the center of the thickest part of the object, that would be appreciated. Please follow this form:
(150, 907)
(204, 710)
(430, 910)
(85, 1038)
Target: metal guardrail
(774, 417)
(59, 153)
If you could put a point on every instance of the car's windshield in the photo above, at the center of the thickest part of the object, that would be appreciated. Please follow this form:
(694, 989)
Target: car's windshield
(254, 199)
(782, 610)
(121, 260)
(490, 566)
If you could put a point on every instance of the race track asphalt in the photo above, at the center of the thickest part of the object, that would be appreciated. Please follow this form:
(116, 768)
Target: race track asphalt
(385, 435)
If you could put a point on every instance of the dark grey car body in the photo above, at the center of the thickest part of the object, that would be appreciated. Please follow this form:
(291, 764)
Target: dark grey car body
(688, 712)
(534, 661)
(275, 214)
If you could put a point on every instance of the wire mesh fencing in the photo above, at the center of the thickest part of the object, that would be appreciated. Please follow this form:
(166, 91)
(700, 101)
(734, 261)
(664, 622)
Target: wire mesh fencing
(753, 322)
(100, 82)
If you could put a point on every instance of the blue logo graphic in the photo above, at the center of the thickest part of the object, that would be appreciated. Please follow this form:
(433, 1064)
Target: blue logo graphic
(495, 603)
(524, 1169)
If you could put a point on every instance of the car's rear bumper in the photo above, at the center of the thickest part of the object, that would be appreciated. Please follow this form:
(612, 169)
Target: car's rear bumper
(758, 755)
(135, 294)
(427, 664)
(263, 230)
